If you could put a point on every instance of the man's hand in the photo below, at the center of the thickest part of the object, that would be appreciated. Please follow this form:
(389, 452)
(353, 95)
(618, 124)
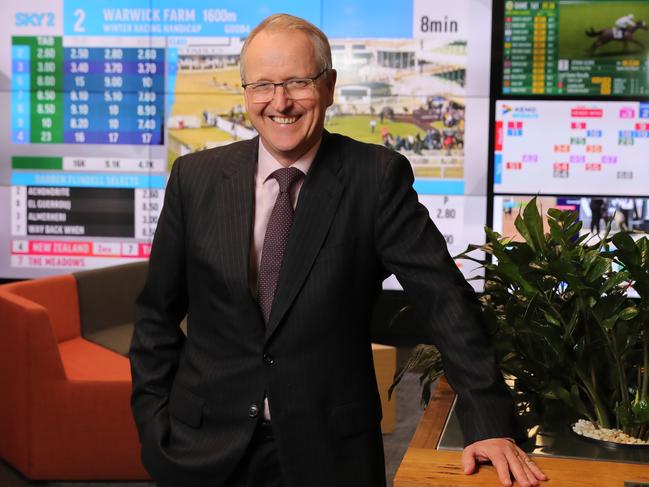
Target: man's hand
(506, 457)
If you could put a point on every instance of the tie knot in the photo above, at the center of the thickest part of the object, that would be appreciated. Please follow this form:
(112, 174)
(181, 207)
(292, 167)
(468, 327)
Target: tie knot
(286, 177)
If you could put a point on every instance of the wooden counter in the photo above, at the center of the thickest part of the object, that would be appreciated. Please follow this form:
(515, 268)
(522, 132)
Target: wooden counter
(385, 365)
(425, 466)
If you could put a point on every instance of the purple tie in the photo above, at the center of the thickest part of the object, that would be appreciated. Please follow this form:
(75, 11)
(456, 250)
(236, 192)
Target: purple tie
(279, 226)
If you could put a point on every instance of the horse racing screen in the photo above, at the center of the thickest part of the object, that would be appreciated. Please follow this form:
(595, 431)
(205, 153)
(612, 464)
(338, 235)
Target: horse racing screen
(102, 96)
(575, 47)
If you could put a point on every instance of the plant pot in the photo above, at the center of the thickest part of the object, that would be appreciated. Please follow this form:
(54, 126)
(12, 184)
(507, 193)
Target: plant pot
(613, 445)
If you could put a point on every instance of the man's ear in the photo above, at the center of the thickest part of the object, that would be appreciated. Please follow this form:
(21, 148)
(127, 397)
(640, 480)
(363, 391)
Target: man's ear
(332, 75)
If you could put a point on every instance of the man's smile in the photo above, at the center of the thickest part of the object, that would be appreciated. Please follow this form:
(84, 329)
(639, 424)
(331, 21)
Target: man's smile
(283, 120)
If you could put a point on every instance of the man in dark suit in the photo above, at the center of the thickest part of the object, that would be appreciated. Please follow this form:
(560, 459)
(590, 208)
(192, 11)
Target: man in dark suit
(275, 249)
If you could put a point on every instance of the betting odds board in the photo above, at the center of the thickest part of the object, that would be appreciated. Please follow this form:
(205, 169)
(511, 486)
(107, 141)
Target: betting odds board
(571, 148)
(575, 47)
(97, 206)
(103, 96)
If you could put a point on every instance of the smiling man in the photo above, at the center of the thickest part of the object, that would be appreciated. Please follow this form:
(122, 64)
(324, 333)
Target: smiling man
(275, 250)
(289, 116)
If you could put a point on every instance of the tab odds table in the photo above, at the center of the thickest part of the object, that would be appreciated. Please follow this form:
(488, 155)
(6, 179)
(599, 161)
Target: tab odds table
(85, 91)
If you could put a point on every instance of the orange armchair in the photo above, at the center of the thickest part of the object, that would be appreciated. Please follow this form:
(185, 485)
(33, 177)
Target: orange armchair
(64, 401)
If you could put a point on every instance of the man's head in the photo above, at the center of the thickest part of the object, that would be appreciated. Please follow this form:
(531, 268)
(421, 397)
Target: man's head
(279, 49)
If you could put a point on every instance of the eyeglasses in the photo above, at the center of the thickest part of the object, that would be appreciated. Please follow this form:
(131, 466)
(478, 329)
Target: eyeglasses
(294, 88)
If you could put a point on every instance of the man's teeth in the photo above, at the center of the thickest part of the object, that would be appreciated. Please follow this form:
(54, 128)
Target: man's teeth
(285, 119)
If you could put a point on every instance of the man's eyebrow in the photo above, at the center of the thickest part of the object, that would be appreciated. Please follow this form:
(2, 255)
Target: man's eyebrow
(266, 80)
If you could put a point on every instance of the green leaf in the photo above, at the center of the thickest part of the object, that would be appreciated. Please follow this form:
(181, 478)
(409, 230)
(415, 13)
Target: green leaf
(628, 313)
(570, 398)
(561, 268)
(470, 248)
(623, 414)
(519, 223)
(598, 266)
(614, 281)
(571, 216)
(576, 401)
(609, 323)
(623, 241)
(572, 324)
(513, 274)
(521, 254)
(643, 247)
(551, 319)
(555, 230)
(534, 224)
(607, 306)
(573, 230)
(495, 246)
(492, 236)
(552, 337)
(640, 410)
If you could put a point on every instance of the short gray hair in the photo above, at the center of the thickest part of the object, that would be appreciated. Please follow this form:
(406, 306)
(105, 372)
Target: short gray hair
(283, 22)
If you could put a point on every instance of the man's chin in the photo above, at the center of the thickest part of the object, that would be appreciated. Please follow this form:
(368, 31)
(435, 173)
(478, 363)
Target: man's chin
(286, 149)
(286, 144)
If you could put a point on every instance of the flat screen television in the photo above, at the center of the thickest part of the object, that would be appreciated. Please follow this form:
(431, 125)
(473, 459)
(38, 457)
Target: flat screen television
(102, 97)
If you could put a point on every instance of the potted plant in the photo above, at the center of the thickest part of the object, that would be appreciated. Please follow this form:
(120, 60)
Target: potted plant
(564, 325)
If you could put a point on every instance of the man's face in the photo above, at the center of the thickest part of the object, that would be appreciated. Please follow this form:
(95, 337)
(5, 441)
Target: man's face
(288, 128)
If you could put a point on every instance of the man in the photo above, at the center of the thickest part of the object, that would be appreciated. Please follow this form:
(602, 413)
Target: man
(597, 207)
(275, 249)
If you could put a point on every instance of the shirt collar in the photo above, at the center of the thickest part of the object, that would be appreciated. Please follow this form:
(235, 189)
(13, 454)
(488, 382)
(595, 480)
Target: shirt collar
(267, 163)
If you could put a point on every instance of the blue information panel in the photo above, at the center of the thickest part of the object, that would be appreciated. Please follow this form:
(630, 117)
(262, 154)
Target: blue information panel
(113, 95)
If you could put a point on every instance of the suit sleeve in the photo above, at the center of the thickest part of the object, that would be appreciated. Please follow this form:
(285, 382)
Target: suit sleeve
(157, 339)
(412, 248)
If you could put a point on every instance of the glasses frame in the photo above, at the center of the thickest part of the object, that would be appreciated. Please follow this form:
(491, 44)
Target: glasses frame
(275, 84)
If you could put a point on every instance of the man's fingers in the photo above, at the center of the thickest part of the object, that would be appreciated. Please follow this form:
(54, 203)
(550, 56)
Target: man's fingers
(468, 461)
(502, 466)
(529, 478)
(519, 464)
(538, 473)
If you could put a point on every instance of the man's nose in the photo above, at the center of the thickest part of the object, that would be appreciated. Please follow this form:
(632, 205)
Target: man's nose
(280, 99)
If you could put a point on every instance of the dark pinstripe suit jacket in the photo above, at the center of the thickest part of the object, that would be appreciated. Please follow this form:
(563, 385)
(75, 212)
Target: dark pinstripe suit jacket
(357, 220)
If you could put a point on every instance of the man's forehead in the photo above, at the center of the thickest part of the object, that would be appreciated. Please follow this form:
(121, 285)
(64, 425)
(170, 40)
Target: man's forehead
(280, 49)
(280, 39)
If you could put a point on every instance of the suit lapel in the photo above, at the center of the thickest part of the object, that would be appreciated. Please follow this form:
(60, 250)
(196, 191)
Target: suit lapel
(236, 206)
(317, 205)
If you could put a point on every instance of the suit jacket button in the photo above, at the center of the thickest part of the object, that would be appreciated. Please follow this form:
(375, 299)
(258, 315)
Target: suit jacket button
(269, 359)
(253, 411)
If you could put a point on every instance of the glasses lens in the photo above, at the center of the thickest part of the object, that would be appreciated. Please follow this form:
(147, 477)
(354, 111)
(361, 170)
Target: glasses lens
(261, 92)
(299, 89)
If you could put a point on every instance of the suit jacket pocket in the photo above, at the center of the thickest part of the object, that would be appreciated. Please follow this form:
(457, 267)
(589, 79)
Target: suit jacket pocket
(186, 407)
(354, 418)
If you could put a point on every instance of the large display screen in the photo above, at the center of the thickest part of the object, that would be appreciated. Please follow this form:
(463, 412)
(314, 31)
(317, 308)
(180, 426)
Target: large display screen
(575, 47)
(103, 96)
(570, 112)
(571, 147)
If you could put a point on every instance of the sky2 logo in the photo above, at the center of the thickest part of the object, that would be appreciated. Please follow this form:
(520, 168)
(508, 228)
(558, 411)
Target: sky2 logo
(29, 19)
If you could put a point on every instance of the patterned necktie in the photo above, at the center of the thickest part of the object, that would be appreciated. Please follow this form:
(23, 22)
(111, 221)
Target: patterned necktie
(279, 226)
